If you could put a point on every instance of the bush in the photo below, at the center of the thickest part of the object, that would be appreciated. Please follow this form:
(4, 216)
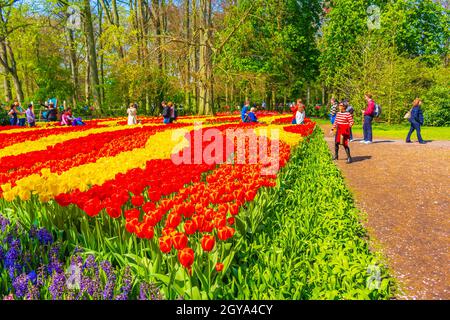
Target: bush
(437, 107)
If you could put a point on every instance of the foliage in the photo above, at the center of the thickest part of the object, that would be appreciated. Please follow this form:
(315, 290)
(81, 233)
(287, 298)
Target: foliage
(303, 239)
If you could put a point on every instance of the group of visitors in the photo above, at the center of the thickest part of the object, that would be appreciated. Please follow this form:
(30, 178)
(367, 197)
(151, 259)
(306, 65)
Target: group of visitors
(19, 117)
(248, 115)
(341, 116)
(169, 112)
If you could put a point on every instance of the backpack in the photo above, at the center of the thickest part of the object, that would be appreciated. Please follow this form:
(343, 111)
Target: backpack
(377, 110)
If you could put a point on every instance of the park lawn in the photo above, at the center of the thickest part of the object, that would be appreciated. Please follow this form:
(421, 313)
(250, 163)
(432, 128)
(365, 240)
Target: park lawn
(399, 131)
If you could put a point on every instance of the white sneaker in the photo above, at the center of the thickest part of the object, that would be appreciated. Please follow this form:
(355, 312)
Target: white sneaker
(351, 140)
(367, 142)
(362, 141)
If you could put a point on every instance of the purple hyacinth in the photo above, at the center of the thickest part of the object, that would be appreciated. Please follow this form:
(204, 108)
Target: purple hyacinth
(20, 285)
(55, 265)
(3, 223)
(58, 285)
(2, 253)
(108, 291)
(149, 292)
(125, 289)
(12, 262)
(44, 236)
(33, 293)
(41, 276)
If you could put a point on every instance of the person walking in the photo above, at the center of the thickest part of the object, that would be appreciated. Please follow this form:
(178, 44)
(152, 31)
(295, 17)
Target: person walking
(416, 121)
(31, 118)
(333, 110)
(132, 115)
(342, 125)
(368, 118)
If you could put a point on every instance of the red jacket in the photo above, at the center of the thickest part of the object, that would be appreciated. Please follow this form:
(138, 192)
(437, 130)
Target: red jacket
(294, 110)
(370, 108)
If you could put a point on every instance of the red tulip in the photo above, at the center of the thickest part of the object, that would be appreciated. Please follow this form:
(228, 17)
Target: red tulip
(114, 212)
(165, 244)
(137, 201)
(231, 221)
(219, 267)
(208, 243)
(180, 241)
(132, 214)
(173, 220)
(190, 227)
(186, 257)
(225, 233)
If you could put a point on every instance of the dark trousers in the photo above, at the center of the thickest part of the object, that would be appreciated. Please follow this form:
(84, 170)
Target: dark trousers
(414, 126)
(367, 128)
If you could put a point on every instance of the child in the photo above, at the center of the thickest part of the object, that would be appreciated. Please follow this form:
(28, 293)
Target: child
(343, 124)
(300, 115)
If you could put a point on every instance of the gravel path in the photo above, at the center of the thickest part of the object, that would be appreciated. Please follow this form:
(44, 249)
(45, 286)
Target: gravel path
(405, 191)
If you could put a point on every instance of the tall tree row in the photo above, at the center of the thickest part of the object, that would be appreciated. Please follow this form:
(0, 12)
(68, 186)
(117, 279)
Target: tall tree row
(205, 54)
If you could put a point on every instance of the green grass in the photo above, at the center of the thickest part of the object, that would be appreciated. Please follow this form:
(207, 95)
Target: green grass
(399, 131)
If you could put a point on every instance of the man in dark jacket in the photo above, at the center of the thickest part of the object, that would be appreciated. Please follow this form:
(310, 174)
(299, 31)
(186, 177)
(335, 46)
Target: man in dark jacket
(416, 121)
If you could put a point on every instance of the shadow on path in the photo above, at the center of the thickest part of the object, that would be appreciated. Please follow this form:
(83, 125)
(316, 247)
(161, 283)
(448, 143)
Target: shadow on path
(361, 158)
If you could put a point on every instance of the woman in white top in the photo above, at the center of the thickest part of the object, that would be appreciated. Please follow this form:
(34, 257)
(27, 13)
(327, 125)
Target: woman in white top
(300, 115)
(132, 115)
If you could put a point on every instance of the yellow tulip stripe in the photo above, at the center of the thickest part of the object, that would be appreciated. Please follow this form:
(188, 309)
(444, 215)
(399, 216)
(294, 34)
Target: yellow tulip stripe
(44, 143)
(291, 139)
(48, 185)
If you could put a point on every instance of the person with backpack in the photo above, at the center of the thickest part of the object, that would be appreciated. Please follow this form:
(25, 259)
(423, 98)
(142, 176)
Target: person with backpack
(252, 116)
(416, 121)
(342, 125)
(368, 114)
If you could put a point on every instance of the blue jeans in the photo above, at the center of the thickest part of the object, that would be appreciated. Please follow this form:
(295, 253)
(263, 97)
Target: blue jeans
(294, 121)
(367, 128)
(22, 122)
(166, 120)
(13, 121)
(414, 126)
(332, 118)
(351, 134)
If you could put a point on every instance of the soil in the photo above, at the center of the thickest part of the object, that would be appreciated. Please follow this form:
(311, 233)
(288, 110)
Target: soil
(405, 191)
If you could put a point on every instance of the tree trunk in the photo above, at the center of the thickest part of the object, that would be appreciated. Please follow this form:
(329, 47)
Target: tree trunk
(14, 75)
(73, 65)
(6, 82)
(187, 91)
(92, 54)
(206, 75)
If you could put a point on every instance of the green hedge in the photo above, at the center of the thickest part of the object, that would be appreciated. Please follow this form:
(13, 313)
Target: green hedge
(304, 239)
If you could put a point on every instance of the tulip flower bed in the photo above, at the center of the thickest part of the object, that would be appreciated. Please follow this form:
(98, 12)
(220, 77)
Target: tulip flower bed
(175, 203)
